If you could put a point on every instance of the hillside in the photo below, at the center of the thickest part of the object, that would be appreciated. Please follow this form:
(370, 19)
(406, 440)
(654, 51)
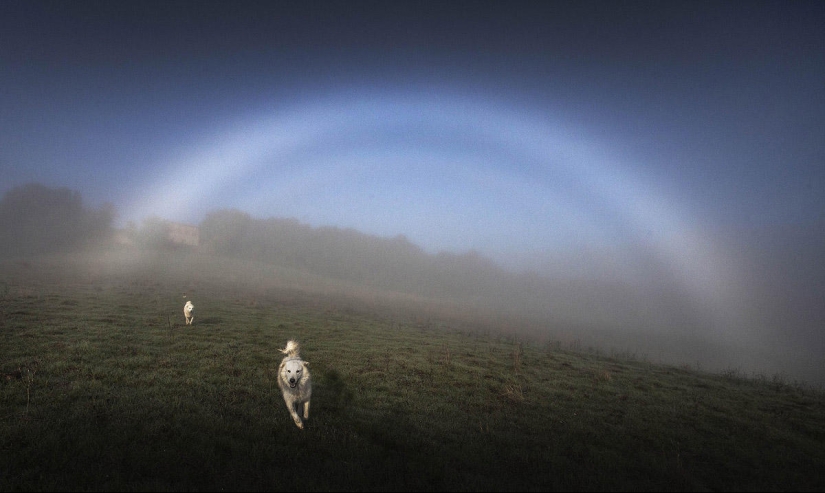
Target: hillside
(104, 387)
(769, 325)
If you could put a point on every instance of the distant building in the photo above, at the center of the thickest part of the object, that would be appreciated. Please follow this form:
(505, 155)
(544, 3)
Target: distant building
(183, 234)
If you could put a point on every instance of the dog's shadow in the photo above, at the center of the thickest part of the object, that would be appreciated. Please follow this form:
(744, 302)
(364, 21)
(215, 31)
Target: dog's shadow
(208, 321)
(334, 393)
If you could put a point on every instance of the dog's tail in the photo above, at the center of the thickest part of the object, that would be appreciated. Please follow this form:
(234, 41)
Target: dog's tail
(291, 349)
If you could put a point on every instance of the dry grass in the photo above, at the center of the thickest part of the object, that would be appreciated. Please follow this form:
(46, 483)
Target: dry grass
(513, 392)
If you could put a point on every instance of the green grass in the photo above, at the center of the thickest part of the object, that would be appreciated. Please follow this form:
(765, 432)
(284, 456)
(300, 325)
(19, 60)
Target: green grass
(103, 387)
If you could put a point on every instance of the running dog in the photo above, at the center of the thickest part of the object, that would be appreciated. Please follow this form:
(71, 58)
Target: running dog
(188, 310)
(295, 384)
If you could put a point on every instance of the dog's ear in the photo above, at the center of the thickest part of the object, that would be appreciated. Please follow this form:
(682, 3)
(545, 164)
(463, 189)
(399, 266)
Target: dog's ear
(306, 363)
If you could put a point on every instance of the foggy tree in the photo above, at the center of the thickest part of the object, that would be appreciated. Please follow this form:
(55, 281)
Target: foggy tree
(348, 254)
(37, 219)
(225, 232)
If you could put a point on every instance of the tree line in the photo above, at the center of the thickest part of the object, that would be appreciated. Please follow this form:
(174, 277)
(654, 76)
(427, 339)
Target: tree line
(36, 219)
(347, 254)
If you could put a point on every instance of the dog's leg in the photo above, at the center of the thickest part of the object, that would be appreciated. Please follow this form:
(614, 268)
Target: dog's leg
(294, 414)
(306, 410)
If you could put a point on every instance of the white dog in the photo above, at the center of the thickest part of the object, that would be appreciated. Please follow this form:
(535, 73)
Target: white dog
(188, 310)
(293, 379)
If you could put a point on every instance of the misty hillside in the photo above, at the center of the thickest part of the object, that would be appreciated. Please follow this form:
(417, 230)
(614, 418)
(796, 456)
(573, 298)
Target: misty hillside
(656, 317)
(781, 280)
(36, 219)
(397, 265)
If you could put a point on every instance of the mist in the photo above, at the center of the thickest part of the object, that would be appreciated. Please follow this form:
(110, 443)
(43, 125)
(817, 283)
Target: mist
(616, 301)
(36, 219)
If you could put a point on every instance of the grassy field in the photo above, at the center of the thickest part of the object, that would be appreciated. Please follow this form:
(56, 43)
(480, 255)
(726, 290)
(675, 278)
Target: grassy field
(103, 387)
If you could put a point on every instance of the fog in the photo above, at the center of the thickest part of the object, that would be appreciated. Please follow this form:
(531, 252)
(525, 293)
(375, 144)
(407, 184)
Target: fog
(639, 177)
(620, 301)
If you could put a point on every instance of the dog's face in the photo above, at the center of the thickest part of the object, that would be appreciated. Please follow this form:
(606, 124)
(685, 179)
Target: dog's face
(190, 306)
(293, 371)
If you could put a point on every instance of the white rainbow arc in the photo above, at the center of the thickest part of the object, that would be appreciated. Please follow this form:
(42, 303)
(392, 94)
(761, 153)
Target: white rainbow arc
(304, 145)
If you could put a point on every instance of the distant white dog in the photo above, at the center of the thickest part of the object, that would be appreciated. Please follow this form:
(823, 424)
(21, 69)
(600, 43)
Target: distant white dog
(188, 312)
(294, 381)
